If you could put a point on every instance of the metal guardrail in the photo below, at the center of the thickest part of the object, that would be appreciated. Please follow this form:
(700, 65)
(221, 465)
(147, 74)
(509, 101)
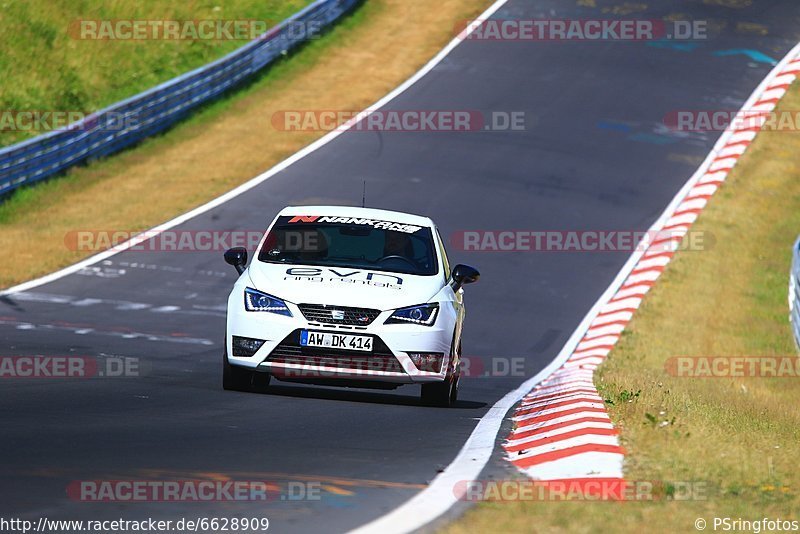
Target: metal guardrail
(153, 111)
(794, 292)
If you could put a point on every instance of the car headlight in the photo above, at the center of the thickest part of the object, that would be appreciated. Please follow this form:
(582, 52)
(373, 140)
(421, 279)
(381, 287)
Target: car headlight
(256, 301)
(424, 314)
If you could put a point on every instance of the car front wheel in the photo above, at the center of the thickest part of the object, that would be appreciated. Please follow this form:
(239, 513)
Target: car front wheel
(236, 378)
(442, 394)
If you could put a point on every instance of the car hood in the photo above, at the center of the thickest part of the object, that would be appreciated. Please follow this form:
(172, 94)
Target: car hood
(343, 286)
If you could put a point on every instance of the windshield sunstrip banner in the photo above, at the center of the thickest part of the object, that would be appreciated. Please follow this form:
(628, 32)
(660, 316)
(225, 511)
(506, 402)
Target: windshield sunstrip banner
(375, 223)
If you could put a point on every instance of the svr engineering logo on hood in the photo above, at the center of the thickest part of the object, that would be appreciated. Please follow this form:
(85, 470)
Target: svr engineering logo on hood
(311, 274)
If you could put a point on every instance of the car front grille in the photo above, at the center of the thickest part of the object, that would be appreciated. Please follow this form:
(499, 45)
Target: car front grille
(339, 315)
(290, 352)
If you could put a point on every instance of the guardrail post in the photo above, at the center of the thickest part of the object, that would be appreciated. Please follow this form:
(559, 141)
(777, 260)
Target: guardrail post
(794, 293)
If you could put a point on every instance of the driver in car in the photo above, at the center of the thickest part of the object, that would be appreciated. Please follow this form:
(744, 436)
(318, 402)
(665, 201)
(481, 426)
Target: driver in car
(398, 244)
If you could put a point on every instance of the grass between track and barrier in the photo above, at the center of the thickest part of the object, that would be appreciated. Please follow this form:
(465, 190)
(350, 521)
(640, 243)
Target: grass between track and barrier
(229, 142)
(49, 65)
(711, 447)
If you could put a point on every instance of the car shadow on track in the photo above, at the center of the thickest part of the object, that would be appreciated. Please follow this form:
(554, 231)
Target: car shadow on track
(356, 395)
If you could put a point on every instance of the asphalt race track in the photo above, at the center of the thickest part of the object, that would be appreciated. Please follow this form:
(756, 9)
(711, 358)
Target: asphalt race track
(595, 155)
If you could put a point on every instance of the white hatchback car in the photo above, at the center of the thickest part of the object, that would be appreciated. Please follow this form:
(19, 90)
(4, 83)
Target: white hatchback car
(347, 296)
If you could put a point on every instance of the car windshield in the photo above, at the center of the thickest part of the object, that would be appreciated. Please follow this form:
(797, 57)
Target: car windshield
(351, 242)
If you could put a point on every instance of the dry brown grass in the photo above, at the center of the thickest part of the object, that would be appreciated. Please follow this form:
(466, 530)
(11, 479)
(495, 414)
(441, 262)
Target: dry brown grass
(349, 69)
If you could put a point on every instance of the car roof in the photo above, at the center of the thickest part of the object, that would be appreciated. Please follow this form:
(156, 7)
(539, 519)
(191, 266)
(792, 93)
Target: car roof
(361, 213)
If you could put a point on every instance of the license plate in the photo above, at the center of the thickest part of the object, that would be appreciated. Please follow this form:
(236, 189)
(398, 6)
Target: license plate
(335, 341)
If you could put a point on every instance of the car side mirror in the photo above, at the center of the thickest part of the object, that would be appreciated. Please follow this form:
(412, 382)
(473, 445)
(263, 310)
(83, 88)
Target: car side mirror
(463, 274)
(237, 257)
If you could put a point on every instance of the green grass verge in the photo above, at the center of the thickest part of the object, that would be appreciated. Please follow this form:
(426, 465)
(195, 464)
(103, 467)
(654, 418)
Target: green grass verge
(46, 67)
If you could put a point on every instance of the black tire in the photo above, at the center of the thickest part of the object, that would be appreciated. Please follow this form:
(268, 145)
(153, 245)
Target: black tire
(236, 378)
(454, 390)
(259, 381)
(441, 394)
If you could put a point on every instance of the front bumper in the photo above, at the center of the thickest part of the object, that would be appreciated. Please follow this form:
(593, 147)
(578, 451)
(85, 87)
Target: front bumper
(388, 362)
